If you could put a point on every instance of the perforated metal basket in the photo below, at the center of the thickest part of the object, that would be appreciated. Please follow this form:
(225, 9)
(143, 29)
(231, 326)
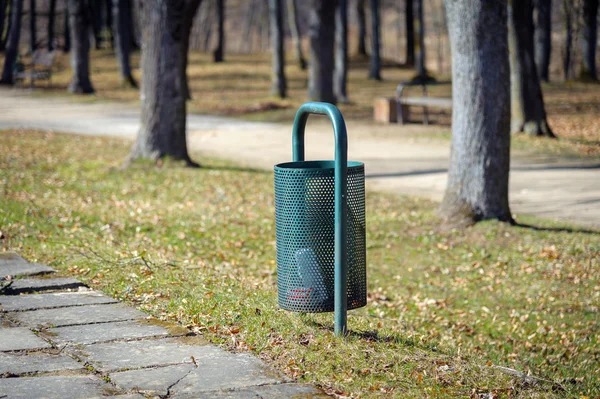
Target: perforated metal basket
(304, 213)
(320, 226)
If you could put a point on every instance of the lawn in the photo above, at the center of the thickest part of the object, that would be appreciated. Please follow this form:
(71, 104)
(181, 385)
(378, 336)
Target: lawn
(196, 247)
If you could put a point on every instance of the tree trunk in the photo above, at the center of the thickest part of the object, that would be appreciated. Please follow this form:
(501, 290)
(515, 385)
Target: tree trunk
(2, 21)
(108, 10)
(410, 33)
(278, 85)
(362, 27)
(341, 52)
(322, 39)
(51, 22)
(218, 54)
(589, 39)
(67, 29)
(375, 65)
(32, 27)
(420, 67)
(80, 24)
(121, 10)
(568, 14)
(295, 31)
(95, 16)
(480, 154)
(543, 37)
(12, 49)
(527, 104)
(163, 108)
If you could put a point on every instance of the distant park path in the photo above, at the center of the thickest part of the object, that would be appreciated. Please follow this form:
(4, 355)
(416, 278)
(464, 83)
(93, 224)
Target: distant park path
(560, 189)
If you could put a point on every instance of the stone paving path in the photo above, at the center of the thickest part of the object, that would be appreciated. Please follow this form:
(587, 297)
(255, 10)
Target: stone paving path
(60, 339)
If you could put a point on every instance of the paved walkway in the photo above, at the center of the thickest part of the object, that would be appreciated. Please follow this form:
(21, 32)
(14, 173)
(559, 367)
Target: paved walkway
(66, 341)
(561, 189)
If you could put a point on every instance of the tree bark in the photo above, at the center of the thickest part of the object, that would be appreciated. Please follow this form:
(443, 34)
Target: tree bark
(51, 22)
(528, 113)
(218, 54)
(589, 39)
(420, 67)
(362, 27)
(278, 85)
(322, 39)
(80, 24)
(295, 32)
(2, 21)
(67, 29)
(32, 27)
(543, 37)
(121, 10)
(341, 52)
(94, 10)
(480, 154)
(163, 104)
(12, 49)
(410, 33)
(108, 10)
(375, 65)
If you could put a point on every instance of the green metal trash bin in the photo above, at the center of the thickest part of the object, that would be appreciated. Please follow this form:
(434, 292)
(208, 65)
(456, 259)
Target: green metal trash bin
(320, 226)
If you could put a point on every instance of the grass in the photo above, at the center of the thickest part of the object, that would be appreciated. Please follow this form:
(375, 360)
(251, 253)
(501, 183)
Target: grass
(197, 247)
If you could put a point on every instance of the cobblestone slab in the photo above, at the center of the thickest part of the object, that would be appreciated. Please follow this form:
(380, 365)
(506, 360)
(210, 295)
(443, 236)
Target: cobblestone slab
(76, 315)
(18, 338)
(94, 333)
(23, 269)
(117, 356)
(27, 285)
(55, 387)
(12, 303)
(37, 362)
(276, 391)
(220, 372)
(10, 257)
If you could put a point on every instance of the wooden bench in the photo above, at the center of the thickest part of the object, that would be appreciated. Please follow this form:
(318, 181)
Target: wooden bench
(403, 104)
(39, 69)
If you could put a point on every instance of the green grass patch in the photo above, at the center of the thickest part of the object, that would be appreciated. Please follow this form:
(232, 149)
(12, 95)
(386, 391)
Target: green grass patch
(197, 247)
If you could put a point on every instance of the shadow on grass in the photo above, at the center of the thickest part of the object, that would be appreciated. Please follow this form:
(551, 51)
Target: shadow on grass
(557, 229)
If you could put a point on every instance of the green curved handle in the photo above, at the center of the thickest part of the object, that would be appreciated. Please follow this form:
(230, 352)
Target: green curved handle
(341, 172)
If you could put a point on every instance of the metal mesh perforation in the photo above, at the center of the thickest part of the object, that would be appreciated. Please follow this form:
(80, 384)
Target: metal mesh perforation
(304, 208)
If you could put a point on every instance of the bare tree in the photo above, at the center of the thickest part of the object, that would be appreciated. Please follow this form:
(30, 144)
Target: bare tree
(163, 118)
(121, 12)
(322, 39)
(528, 113)
(341, 52)
(543, 37)
(362, 27)
(410, 33)
(278, 86)
(14, 36)
(218, 54)
(32, 26)
(569, 16)
(589, 40)
(375, 66)
(51, 22)
(295, 31)
(80, 23)
(420, 66)
(479, 164)
(67, 30)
